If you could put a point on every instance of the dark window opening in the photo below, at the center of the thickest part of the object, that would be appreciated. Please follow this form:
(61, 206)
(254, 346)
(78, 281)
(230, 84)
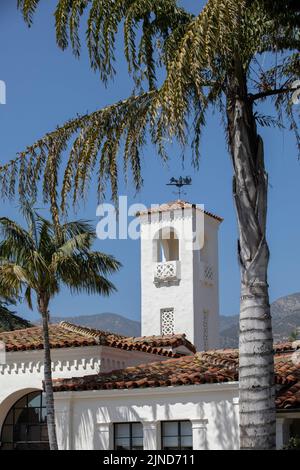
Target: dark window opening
(166, 246)
(25, 426)
(176, 435)
(128, 436)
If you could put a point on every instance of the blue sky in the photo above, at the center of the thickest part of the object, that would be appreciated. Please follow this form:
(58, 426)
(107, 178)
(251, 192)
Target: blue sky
(46, 86)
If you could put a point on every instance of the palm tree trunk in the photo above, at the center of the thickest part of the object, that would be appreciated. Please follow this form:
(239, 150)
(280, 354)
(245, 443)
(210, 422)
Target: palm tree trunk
(250, 188)
(43, 308)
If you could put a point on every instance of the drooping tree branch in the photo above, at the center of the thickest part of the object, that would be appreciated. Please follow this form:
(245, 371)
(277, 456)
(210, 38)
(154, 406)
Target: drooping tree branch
(278, 91)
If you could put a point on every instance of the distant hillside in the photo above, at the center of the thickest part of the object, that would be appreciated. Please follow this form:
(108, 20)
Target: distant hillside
(229, 331)
(105, 321)
(285, 314)
(285, 318)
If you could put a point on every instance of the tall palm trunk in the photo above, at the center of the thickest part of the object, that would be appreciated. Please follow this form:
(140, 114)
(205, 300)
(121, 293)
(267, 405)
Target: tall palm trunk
(43, 308)
(250, 187)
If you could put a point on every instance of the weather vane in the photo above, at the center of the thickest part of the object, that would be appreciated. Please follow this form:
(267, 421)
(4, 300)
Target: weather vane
(179, 183)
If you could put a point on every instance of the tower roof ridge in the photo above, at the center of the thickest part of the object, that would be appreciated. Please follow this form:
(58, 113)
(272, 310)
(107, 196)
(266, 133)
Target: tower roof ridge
(177, 205)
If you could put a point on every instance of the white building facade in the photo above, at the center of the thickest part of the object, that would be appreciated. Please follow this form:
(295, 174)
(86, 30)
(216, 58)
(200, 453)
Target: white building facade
(171, 388)
(88, 420)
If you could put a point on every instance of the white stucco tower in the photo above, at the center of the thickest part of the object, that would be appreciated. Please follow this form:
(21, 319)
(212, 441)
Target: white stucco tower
(179, 273)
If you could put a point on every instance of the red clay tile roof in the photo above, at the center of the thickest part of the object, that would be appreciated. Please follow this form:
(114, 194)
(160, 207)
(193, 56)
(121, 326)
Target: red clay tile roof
(172, 341)
(289, 398)
(208, 367)
(198, 369)
(66, 335)
(32, 338)
(149, 344)
(174, 205)
(288, 346)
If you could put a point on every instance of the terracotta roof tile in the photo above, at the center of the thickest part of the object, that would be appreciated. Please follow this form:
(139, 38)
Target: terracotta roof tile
(217, 366)
(182, 371)
(32, 338)
(66, 335)
(286, 347)
(289, 398)
(166, 341)
(175, 205)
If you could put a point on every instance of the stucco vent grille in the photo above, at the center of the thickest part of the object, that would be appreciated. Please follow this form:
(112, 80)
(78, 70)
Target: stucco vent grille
(208, 273)
(167, 321)
(205, 329)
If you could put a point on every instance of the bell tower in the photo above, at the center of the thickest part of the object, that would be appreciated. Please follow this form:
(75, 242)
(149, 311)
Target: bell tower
(179, 273)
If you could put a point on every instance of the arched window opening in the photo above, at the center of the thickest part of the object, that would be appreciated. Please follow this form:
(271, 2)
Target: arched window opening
(166, 246)
(25, 426)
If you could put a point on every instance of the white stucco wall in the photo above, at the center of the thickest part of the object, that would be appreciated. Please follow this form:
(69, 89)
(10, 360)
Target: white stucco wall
(206, 292)
(24, 372)
(88, 416)
(153, 297)
(192, 297)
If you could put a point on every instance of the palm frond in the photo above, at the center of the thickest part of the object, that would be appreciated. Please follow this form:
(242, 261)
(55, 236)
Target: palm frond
(97, 140)
(79, 276)
(31, 216)
(85, 271)
(95, 285)
(28, 8)
(18, 246)
(198, 54)
(268, 121)
(79, 227)
(14, 277)
(11, 230)
(28, 297)
(104, 19)
(77, 243)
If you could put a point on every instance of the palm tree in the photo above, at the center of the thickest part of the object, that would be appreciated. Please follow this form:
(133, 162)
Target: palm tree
(34, 260)
(210, 60)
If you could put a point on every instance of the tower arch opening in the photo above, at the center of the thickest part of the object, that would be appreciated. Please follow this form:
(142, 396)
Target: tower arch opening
(166, 245)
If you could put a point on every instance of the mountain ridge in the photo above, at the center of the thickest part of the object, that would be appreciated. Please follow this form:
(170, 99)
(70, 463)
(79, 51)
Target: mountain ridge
(285, 313)
(285, 317)
(106, 321)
